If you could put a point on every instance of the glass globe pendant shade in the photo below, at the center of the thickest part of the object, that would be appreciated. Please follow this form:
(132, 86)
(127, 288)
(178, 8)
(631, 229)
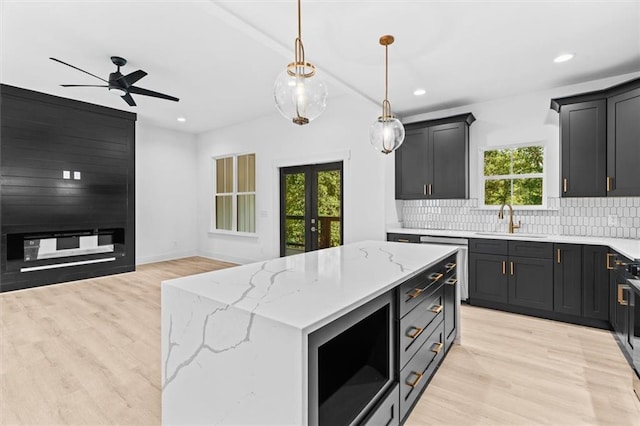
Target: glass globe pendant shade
(299, 98)
(386, 134)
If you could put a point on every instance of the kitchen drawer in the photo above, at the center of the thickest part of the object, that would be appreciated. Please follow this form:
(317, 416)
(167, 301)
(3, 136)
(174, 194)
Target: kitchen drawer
(387, 413)
(404, 238)
(415, 376)
(531, 249)
(419, 324)
(419, 288)
(480, 245)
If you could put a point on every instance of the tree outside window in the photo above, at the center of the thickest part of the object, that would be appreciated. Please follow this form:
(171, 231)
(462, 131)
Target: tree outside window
(514, 176)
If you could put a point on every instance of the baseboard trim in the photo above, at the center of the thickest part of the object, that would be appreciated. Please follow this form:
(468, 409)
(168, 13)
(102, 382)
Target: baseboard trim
(166, 256)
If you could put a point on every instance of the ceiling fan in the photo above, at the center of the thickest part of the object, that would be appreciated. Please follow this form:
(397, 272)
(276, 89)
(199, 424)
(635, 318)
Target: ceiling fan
(121, 85)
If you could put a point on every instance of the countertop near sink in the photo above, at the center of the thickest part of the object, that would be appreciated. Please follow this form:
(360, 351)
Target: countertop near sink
(626, 247)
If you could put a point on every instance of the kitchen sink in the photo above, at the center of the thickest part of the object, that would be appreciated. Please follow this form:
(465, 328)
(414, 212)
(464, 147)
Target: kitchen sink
(515, 234)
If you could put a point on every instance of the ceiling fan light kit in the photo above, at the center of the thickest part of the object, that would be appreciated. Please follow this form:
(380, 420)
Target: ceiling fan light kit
(386, 134)
(118, 84)
(299, 94)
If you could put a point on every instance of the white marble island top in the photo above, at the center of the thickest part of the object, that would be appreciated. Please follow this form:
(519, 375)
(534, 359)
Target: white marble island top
(234, 341)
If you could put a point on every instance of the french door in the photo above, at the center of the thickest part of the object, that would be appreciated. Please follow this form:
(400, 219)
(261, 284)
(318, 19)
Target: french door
(310, 207)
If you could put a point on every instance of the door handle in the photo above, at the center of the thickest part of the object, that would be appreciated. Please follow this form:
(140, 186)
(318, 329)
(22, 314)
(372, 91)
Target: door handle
(609, 256)
(430, 189)
(511, 267)
(621, 289)
(609, 179)
(313, 229)
(504, 267)
(564, 185)
(558, 256)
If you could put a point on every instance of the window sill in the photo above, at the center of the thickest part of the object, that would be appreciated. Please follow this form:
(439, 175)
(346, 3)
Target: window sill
(233, 233)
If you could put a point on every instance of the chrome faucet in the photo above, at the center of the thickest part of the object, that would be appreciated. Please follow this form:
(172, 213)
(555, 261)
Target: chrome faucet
(501, 216)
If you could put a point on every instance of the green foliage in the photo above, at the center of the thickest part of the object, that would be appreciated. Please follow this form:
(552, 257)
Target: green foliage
(503, 166)
(329, 199)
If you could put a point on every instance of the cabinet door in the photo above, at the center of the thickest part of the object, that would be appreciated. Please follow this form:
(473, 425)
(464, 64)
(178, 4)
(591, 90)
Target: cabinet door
(450, 317)
(531, 283)
(488, 277)
(595, 282)
(448, 160)
(411, 166)
(583, 151)
(623, 147)
(567, 279)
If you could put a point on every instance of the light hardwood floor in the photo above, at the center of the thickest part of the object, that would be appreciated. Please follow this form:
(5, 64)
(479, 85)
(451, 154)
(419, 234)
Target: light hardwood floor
(88, 352)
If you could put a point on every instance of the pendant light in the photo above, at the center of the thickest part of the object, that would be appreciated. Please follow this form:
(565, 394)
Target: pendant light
(387, 133)
(299, 96)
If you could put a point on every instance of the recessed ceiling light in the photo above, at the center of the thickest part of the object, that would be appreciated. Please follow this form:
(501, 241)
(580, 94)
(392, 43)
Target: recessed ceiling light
(563, 58)
(419, 92)
(182, 119)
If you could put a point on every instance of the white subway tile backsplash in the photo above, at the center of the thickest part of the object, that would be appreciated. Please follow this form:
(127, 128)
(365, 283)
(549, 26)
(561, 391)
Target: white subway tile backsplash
(567, 216)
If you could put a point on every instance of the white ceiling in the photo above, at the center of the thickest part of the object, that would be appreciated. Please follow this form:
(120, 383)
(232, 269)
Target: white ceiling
(221, 57)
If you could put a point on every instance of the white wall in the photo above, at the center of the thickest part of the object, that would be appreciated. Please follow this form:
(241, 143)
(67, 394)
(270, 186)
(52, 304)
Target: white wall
(507, 121)
(340, 133)
(166, 202)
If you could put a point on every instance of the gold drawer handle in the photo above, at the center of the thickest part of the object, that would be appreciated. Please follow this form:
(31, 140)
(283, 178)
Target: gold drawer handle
(414, 293)
(621, 289)
(450, 266)
(451, 281)
(437, 347)
(435, 276)
(416, 381)
(403, 240)
(436, 309)
(609, 179)
(415, 333)
(609, 256)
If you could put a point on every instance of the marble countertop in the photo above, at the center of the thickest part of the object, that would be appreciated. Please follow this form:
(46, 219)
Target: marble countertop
(309, 290)
(627, 247)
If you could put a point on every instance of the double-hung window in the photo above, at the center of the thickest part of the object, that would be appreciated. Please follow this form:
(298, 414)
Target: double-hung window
(234, 203)
(514, 175)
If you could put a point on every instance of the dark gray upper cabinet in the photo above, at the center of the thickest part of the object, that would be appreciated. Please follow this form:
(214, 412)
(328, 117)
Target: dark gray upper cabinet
(583, 131)
(433, 161)
(623, 143)
(599, 142)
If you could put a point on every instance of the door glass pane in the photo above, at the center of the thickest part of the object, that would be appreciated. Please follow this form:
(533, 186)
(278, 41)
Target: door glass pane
(246, 213)
(294, 207)
(329, 200)
(223, 212)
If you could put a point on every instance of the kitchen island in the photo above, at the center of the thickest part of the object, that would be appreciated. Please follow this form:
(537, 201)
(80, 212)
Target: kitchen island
(235, 341)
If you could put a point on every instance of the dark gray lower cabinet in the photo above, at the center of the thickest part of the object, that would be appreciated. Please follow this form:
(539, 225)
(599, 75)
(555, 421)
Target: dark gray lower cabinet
(450, 317)
(531, 283)
(488, 278)
(387, 413)
(567, 279)
(595, 282)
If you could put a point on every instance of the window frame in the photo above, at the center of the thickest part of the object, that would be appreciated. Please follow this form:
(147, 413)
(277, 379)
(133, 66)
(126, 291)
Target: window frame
(544, 175)
(234, 196)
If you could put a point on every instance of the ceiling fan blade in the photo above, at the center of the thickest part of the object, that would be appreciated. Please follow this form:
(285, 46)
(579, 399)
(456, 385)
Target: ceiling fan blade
(134, 76)
(86, 72)
(141, 91)
(128, 99)
(81, 85)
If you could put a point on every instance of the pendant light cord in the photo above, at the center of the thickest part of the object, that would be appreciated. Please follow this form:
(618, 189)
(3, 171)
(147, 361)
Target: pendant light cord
(299, 22)
(386, 72)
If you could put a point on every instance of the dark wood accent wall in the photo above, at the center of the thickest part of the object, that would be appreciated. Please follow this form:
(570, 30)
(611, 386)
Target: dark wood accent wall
(42, 136)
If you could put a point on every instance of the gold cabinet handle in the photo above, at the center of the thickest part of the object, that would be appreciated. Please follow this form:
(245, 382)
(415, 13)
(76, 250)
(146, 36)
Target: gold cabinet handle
(621, 289)
(609, 179)
(609, 256)
(403, 240)
(435, 276)
(504, 267)
(429, 189)
(511, 267)
(450, 266)
(416, 381)
(436, 309)
(451, 281)
(415, 333)
(558, 255)
(424, 189)
(437, 347)
(564, 185)
(414, 293)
